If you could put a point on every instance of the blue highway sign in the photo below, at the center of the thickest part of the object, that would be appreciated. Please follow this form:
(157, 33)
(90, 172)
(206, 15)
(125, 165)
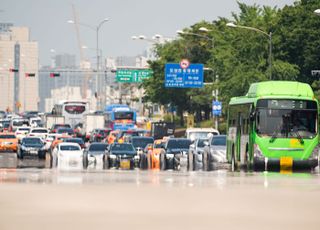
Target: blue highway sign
(176, 77)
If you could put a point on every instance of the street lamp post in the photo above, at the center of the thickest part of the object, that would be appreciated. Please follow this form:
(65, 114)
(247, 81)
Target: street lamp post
(202, 29)
(96, 29)
(269, 35)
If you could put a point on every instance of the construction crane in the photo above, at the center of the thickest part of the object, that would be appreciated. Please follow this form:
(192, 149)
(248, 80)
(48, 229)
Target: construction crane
(81, 52)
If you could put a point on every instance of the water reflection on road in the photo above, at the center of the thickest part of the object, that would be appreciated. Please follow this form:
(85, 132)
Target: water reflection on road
(13, 170)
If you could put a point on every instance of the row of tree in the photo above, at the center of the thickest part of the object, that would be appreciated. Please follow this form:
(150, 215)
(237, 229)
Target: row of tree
(239, 56)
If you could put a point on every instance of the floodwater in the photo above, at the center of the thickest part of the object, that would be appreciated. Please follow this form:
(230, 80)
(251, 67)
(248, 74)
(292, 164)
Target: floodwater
(33, 196)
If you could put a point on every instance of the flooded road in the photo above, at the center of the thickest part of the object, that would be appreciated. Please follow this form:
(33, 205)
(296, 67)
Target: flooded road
(44, 198)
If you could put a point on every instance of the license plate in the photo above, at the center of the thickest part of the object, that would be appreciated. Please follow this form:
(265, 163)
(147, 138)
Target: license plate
(33, 152)
(125, 164)
(286, 162)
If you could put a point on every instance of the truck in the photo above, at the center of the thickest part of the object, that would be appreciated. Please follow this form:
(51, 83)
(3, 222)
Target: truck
(51, 119)
(91, 122)
(161, 129)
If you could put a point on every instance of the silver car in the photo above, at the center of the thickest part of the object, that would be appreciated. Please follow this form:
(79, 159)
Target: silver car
(195, 154)
(214, 153)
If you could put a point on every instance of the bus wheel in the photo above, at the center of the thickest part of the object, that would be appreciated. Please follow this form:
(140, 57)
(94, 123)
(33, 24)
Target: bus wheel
(233, 162)
(249, 166)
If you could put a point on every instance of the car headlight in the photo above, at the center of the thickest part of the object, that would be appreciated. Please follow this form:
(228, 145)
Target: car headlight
(23, 148)
(169, 155)
(257, 153)
(113, 156)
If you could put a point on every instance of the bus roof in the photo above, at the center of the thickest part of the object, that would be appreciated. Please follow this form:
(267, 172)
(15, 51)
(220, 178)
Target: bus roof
(64, 102)
(112, 107)
(275, 89)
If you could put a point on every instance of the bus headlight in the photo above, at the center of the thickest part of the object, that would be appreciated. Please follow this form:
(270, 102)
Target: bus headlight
(315, 153)
(257, 153)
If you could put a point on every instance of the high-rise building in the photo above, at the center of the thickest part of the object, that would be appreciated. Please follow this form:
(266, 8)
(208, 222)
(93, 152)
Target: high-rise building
(65, 61)
(18, 70)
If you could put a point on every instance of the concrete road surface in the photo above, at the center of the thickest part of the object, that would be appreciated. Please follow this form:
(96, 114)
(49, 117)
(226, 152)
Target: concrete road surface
(32, 198)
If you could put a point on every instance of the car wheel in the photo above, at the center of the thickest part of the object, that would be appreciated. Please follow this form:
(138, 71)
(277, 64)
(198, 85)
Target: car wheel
(162, 161)
(190, 161)
(143, 161)
(205, 161)
(106, 162)
(85, 162)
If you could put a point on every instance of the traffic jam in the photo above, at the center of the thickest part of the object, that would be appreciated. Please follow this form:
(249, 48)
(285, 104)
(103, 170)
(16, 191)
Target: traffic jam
(273, 134)
(94, 143)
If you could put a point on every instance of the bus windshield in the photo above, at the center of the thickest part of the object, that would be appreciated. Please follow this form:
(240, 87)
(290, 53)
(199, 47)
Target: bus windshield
(123, 115)
(286, 120)
(75, 109)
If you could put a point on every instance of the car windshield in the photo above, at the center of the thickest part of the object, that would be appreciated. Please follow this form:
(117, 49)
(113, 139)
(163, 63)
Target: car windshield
(98, 147)
(7, 136)
(65, 130)
(178, 144)
(20, 123)
(32, 141)
(39, 131)
(198, 135)
(141, 142)
(69, 148)
(24, 129)
(75, 140)
(218, 140)
(122, 147)
(158, 145)
(201, 143)
(61, 125)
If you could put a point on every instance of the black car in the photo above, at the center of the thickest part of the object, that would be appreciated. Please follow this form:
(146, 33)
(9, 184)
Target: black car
(57, 126)
(175, 154)
(140, 143)
(95, 154)
(31, 146)
(121, 155)
(68, 131)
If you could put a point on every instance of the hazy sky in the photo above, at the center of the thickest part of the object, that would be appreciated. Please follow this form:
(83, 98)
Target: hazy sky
(47, 20)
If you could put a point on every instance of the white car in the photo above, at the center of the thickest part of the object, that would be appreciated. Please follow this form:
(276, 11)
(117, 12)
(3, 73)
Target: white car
(67, 156)
(22, 132)
(35, 121)
(196, 133)
(39, 132)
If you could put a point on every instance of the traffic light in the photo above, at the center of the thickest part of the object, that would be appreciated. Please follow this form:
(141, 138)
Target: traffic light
(54, 74)
(13, 70)
(30, 74)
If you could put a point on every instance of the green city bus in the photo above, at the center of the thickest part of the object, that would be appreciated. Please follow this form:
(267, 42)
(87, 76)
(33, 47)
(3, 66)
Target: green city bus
(274, 127)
